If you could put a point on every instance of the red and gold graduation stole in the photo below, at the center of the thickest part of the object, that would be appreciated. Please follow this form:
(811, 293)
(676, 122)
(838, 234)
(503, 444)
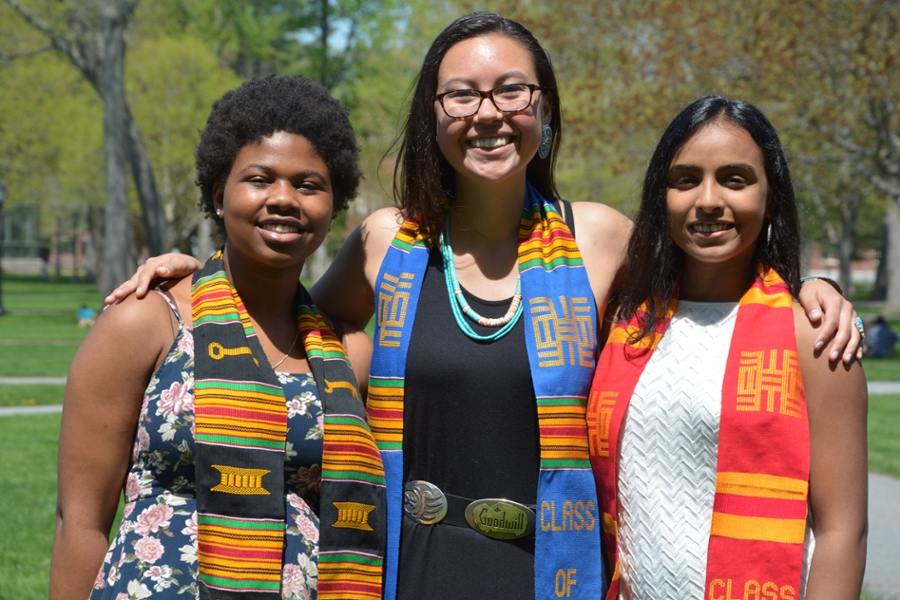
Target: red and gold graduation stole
(762, 475)
(241, 427)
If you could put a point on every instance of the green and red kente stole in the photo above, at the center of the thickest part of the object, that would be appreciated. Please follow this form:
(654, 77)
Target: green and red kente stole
(762, 475)
(241, 426)
(560, 334)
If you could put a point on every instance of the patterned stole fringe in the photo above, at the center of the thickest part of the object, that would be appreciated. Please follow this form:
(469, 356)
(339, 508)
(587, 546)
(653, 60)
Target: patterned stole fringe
(561, 344)
(762, 475)
(241, 426)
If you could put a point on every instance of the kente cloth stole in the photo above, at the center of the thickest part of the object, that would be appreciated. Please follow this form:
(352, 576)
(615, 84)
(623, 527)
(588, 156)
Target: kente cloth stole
(561, 343)
(762, 475)
(241, 426)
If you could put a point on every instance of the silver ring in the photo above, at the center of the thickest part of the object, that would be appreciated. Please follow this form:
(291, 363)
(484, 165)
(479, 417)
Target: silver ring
(860, 328)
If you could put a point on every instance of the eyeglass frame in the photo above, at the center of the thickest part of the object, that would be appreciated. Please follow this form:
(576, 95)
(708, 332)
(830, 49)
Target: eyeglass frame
(489, 94)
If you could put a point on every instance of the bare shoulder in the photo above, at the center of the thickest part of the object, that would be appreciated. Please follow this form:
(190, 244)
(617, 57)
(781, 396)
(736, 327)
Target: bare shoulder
(600, 223)
(378, 230)
(346, 290)
(822, 377)
(602, 234)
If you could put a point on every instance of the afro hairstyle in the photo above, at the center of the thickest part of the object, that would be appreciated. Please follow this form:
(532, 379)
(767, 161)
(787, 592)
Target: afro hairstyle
(264, 106)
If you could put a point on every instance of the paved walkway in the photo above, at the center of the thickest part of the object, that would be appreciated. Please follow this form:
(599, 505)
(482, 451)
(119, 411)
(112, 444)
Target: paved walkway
(882, 565)
(882, 578)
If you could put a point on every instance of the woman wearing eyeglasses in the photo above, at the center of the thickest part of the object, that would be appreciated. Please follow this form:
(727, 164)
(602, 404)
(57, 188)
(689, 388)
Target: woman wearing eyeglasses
(488, 316)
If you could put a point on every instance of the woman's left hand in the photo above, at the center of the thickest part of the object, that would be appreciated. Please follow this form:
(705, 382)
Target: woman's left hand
(822, 302)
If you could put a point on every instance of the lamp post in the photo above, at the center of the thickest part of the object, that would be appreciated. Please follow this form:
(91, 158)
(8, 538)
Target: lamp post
(2, 200)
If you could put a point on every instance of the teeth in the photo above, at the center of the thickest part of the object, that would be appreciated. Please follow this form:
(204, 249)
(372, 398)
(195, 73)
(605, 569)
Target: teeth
(491, 142)
(709, 227)
(280, 228)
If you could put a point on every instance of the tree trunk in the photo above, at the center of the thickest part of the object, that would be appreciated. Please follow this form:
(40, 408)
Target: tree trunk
(151, 207)
(117, 237)
(845, 257)
(891, 254)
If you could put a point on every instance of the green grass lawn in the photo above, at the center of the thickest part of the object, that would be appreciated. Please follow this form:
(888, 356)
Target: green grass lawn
(40, 335)
(28, 446)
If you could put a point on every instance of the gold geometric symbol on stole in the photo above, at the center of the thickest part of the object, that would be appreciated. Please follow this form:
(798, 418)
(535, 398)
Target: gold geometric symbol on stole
(353, 515)
(571, 334)
(331, 385)
(760, 380)
(599, 419)
(392, 303)
(246, 482)
(217, 351)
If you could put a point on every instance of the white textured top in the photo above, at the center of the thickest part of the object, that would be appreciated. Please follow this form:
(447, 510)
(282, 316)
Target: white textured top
(668, 454)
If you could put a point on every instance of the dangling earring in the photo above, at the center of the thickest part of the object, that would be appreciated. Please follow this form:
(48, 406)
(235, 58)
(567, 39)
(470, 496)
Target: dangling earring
(546, 141)
(769, 233)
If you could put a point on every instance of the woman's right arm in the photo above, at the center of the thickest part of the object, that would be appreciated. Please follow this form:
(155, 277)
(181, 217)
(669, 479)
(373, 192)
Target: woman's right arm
(347, 289)
(104, 391)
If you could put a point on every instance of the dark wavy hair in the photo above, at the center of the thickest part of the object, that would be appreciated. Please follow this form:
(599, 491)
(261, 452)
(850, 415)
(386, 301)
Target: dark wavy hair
(654, 262)
(423, 174)
(264, 106)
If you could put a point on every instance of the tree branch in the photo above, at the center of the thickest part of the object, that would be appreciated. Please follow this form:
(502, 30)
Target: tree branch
(15, 55)
(58, 41)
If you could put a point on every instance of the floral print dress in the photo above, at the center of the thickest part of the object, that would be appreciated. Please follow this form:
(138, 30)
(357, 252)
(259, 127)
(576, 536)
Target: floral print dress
(154, 553)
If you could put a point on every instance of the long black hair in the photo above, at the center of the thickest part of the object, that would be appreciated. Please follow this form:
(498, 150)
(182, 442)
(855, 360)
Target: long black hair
(654, 262)
(423, 174)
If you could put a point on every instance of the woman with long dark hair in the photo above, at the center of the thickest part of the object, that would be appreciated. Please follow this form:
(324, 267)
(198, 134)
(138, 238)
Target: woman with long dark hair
(488, 316)
(730, 454)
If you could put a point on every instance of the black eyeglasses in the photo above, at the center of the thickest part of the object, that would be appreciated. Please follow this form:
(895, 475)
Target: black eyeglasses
(511, 97)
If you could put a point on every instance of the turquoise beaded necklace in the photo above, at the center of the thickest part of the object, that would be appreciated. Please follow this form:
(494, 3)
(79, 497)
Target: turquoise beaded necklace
(460, 306)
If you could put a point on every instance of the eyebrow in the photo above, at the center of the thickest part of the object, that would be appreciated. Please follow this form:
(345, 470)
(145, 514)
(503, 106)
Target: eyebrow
(268, 169)
(470, 82)
(744, 166)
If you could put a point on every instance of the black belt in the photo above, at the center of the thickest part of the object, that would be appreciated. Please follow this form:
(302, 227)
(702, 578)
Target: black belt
(496, 518)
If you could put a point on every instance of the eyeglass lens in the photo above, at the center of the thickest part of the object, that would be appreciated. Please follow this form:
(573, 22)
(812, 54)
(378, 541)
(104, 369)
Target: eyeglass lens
(508, 98)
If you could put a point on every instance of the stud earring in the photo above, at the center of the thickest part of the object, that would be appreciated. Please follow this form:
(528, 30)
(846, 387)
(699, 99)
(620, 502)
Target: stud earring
(219, 212)
(546, 141)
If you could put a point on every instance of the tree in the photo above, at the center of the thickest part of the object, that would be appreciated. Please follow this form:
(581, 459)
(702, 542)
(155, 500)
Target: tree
(94, 42)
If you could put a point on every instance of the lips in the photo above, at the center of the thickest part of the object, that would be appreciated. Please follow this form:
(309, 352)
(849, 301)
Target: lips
(709, 227)
(491, 142)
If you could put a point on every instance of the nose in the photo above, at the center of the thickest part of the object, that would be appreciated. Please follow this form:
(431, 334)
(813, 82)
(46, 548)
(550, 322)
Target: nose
(488, 111)
(282, 195)
(709, 199)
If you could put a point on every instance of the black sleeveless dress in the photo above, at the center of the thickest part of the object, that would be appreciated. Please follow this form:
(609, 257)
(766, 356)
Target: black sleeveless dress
(471, 428)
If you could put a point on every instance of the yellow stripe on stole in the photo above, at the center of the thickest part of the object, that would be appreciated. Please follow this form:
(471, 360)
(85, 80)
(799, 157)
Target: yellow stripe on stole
(758, 296)
(764, 529)
(760, 485)
(620, 335)
(609, 524)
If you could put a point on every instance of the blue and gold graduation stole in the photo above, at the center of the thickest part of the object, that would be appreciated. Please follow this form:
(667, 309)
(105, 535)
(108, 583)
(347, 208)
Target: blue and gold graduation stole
(560, 334)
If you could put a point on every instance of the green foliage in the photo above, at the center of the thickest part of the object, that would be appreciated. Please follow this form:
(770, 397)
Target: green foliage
(172, 83)
(51, 144)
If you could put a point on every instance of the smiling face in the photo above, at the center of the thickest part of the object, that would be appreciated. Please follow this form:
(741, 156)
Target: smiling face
(717, 194)
(490, 146)
(276, 202)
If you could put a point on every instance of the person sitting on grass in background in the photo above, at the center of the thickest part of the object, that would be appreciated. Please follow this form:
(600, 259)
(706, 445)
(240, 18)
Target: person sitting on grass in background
(880, 339)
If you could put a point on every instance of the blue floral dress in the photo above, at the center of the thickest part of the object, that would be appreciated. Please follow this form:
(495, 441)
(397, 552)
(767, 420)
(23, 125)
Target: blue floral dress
(154, 553)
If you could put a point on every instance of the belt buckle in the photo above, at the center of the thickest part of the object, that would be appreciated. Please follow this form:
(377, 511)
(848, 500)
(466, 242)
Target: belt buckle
(424, 502)
(500, 519)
